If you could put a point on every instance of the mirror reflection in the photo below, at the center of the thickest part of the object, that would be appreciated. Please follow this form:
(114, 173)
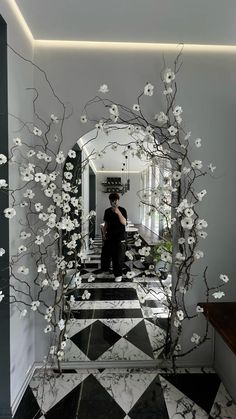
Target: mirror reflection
(119, 310)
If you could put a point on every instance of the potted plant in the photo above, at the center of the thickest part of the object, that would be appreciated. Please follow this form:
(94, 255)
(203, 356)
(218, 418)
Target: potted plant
(162, 257)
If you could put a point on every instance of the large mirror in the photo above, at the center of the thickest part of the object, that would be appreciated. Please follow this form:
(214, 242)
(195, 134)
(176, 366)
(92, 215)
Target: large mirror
(125, 320)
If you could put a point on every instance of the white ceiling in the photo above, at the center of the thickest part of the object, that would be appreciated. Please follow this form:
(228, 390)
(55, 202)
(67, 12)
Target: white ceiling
(113, 159)
(158, 21)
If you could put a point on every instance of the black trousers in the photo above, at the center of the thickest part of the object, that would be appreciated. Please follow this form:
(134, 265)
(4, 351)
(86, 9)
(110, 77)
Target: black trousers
(113, 251)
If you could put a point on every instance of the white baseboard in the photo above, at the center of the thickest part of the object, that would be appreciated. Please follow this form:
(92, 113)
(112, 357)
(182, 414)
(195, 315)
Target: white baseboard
(21, 392)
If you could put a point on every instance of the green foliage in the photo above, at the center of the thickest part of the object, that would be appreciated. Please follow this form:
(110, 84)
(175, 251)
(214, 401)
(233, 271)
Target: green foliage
(159, 248)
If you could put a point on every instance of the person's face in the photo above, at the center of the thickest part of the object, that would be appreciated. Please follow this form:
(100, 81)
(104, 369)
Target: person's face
(115, 203)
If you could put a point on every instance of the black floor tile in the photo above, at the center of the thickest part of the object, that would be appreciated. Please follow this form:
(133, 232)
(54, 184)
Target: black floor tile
(89, 400)
(28, 407)
(95, 339)
(132, 313)
(201, 388)
(151, 404)
(138, 336)
(102, 294)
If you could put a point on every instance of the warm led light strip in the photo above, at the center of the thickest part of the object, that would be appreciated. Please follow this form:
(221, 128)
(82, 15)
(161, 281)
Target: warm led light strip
(142, 46)
(117, 45)
(21, 20)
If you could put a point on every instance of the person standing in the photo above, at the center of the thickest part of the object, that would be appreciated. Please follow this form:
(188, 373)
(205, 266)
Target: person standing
(114, 237)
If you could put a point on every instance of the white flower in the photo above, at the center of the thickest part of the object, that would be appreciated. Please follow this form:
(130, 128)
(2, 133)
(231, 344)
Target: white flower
(188, 212)
(91, 278)
(181, 240)
(129, 255)
(199, 309)
(40, 177)
(72, 154)
(138, 243)
(218, 294)
(17, 141)
(63, 344)
(9, 212)
(48, 329)
(39, 240)
(130, 274)
(60, 355)
(60, 158)
(42, 268)
(1, 296)
(35, 305)
(198, 254)
(176, 175)
(161, 117)
(61, 324)
(37, 131)
(3, 159)
(29, 194)
(148, 89)
(136, 107)
(182, 290)
(177, 111)
(202, 234)
(191, 240)
(103, 88)
(197, 164)
(30, 153)
(45, 283)
(201, 194)
(195, 338)
(38, 206)
(201, 224)
(2, 251)
(69, 166)
(68, 175)
(48, 192)
(3, 183)
(168, 76)
(172, 130)
(54, 118)
(166, 257)
(224, 278)
(24, 235)
(23, 270)
(210, 166)
(23, 313)
(187, 222)
(86, 295)
(180, 314)
(198, 142)
(168, 91)
(55, 284)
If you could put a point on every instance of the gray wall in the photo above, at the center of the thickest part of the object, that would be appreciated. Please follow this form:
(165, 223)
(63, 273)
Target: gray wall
(21, 331)
(207, 93)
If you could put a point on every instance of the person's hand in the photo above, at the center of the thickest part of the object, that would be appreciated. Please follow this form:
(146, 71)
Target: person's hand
(115, 210)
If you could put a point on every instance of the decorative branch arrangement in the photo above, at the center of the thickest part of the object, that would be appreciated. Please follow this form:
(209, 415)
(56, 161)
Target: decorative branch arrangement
(162, 139)
(53, 232)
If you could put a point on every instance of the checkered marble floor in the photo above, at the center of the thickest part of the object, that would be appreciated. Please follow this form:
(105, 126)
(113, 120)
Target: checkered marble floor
(127, 394)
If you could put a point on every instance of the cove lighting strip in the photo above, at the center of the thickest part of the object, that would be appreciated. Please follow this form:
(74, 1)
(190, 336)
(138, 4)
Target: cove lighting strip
(116, 46)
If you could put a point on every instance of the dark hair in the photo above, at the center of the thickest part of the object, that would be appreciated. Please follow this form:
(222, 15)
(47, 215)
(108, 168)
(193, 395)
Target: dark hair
(114, 196)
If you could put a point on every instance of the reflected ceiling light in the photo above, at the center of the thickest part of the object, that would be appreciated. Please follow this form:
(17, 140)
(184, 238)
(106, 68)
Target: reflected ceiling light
(21, 19)
(118, 171)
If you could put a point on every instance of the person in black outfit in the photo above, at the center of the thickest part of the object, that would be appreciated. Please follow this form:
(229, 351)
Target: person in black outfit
(114, 237)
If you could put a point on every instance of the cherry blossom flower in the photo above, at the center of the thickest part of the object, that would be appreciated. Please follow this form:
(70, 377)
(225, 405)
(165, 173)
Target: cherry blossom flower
(9, 212)
(177, 111)
(60, 158)
(199, 309)
(195, 338)
(3, 159)
(54, 118)
(23, 270)
(103, 88)
(148, 89)
(168, 76)
(201, 194)
(172, 130)
(17, 141)
(198, 142)
(2, 251)
(197, 164)
(136, 107)
(3, 183)
(35, 305)
(168, 91)
(218, 294)
(224, 278)
(198, 254)
(37, 132)
(72, 154)
(161, 117)
(180, 314)
(187, 223)
(130, 274)
(211, 167)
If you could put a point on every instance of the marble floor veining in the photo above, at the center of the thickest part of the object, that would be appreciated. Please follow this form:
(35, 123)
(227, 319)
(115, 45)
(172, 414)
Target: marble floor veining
(127, 394)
